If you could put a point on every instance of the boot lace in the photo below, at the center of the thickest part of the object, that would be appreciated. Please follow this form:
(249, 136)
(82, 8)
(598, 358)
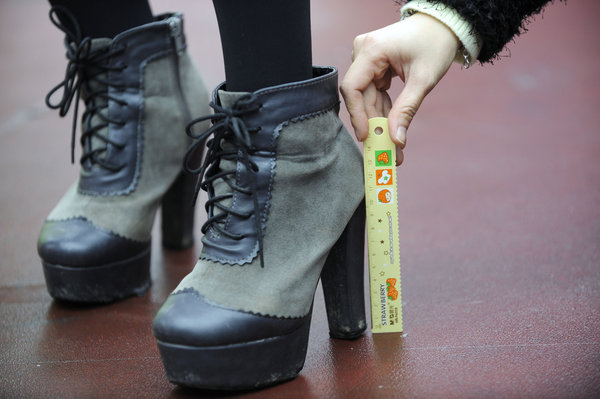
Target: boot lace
(86, 71)
(231, 141)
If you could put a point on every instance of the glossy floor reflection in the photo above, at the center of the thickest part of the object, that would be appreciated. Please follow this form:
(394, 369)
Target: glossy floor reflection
(499, 213)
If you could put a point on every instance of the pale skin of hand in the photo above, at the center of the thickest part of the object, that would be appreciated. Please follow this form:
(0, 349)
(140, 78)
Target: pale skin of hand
(419, 50)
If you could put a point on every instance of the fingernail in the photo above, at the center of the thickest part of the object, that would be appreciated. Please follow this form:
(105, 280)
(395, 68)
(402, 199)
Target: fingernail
(401, 134)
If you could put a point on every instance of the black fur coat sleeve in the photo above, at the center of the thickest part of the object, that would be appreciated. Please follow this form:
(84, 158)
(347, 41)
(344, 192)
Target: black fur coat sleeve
(496, 21)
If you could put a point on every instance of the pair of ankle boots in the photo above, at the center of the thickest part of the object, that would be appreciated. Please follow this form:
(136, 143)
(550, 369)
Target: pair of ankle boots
(284, 184)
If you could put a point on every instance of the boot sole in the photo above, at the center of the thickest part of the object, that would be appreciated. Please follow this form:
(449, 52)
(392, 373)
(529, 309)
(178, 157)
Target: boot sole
(99, 284)
(241, 366)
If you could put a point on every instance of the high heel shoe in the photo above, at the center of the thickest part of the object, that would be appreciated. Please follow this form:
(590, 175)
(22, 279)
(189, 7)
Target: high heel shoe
(138, 90)
(285, 191)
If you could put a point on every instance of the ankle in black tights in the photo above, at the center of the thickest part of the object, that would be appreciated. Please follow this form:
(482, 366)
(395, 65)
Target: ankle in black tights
(105, 18)
(265, 42)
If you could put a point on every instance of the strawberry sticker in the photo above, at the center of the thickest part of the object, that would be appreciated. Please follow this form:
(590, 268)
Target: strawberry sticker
(383, 158)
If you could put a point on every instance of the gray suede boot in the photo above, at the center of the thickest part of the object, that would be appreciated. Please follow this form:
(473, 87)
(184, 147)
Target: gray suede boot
(139, 89)
(285, 187)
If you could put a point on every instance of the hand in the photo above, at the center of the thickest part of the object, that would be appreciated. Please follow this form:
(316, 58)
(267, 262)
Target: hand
(419, 50)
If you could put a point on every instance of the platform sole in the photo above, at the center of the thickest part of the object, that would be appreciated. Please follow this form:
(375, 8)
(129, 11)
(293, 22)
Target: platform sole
(247, 365)
(99, 284)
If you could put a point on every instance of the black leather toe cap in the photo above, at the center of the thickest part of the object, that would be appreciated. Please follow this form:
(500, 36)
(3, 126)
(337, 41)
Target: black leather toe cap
(78, 243)
(187, 318)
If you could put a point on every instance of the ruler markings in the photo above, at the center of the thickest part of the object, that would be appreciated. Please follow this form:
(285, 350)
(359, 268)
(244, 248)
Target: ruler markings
(382, 228)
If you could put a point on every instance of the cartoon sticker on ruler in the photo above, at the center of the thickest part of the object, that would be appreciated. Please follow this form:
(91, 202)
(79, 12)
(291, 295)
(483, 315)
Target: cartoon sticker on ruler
(384, 177)
(384, 196)
(392, 292)
(383, 158)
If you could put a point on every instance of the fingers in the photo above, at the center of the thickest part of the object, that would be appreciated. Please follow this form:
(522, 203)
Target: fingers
(367, 73)
(384, 82)
(374, 102)
(399, 156)
(357, 80)
(357, 45)
(387, 103)
(402, 113)
(370, 101)
(357, 110)
(379, 103)
(404, 109)
(419, 50)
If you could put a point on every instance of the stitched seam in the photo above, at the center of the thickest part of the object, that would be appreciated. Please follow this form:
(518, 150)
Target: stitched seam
(86, 220)
(265, 211)
(200, 297)
(140, 131)
(310, 82)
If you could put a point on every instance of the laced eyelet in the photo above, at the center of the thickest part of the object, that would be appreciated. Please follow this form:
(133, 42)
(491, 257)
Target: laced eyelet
(87, 72)
(230, 139)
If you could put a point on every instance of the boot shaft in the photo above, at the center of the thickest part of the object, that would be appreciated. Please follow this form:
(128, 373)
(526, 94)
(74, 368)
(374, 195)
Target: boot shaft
(305, 172)
(260, 118)
(118, 80)
(151, 88)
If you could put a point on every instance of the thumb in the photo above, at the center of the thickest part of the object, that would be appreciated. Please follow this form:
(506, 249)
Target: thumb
(403, 111)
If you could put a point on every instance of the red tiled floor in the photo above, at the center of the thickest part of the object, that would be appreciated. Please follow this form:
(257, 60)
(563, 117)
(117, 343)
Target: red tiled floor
(500, 227)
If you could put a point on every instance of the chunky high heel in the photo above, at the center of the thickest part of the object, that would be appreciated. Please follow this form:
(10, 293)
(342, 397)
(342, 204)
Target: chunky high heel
(284, 179)
(137, 88)
(342, 279)
(177, 213)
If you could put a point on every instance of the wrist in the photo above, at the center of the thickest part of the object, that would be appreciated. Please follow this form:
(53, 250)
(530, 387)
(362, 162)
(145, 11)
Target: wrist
(462, 29)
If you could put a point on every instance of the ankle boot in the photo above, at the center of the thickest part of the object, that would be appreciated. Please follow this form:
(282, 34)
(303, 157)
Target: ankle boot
(138, 90)
(285, 191)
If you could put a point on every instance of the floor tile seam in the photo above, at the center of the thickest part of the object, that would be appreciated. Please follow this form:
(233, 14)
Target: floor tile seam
(501, 346)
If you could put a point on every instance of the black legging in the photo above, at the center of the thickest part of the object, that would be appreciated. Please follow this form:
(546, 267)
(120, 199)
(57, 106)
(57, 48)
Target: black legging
(265, 42)
(105, 18)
